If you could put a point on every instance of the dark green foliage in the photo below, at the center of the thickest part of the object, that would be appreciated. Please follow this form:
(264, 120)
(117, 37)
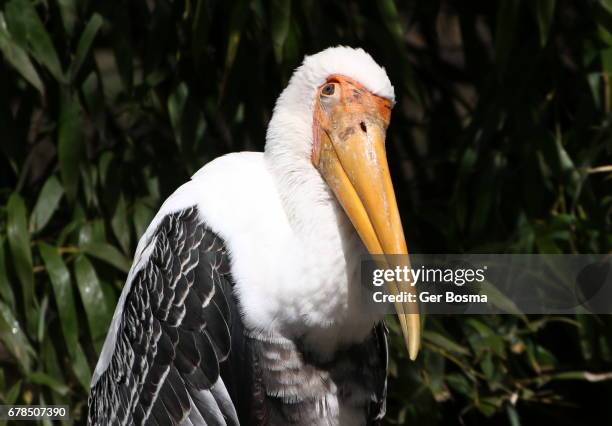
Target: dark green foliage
(500, 142)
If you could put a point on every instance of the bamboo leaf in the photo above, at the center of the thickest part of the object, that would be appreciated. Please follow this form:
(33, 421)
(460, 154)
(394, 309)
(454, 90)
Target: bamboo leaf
(70, 143)
(14, 338)
(390, 17)
(513, 417)
(25, 25)
(80, 367)
(18, 57)
(93, 300)
(176, 106)
(108, 254)
(236, 22)
(104, 167)
(68, 10)
(19, 242)
(143, 215)
(85, 42)
(52, 367)
(544, 11)
(603, 13)
(200, 28)
(48, 200)
(6, 291)
(121, 32)
(41, 309)
(41, 378)
(280, 20)
(13, 392)
(500, 300)
(445, 343)
(64, 298)
(120, 224)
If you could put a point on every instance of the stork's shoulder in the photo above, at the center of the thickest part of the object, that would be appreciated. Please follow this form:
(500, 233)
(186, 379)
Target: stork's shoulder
(240, 180)
(236, 195)
(232, 180)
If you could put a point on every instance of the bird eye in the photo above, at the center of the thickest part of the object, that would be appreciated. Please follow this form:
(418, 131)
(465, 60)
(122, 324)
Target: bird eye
(329, 89)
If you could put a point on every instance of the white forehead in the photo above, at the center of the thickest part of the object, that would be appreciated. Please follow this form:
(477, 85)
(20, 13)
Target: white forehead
(353, 63)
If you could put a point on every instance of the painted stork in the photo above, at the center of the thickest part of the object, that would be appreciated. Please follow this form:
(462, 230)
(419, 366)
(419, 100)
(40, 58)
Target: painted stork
(241, 305)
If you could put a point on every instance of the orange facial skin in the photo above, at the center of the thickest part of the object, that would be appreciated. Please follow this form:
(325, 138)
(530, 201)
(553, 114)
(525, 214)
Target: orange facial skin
(350, 104)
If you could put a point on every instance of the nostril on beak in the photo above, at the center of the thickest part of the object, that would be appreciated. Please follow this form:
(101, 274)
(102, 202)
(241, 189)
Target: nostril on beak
(363, 127)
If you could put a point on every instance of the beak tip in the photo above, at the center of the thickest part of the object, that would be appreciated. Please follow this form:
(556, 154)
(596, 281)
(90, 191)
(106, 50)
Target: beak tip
(413, 351)
(412, 335)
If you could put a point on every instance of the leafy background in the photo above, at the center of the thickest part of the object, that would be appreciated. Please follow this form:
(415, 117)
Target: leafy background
(500, 142)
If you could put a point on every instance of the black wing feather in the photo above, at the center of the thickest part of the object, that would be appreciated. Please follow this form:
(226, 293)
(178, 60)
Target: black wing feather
(172, 334)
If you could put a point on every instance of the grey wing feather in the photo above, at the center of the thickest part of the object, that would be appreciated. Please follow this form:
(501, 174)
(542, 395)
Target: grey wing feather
(171, 335)
(297, 388)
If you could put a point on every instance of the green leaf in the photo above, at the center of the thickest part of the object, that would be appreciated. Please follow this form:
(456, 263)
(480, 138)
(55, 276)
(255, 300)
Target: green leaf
(27, 28)
(547, 245)
(41, 378)
(540, 358)
(487, 367)
(98, 316)
(108, 254)
(18, 57)
(19, 242)
(14, 338)
(594, 82)
(85, 42)
(48, 200)
(104, 166)
(70, 143)
(489, 405)
(120, 224)
(68, 10)
(581, 375)
(544, 11)
(602, 12)
(200, 28)
(390, 17)
(121, 33)
(460, 384)
(500, 300)
(64, 297)
(80, 367)
(6, 291)
(89, 184)
(143, 215)
(485, 339)
(51, 366)
(280, 17)
(42, 318)
(13, 392)
(176, 107)
(513, 417)
(444, 343)
(237, 19)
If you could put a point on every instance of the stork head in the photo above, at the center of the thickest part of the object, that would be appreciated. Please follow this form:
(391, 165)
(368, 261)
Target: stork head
(337, 107)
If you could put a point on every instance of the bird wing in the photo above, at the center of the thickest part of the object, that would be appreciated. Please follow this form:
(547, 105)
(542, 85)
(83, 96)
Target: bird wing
(170, 333)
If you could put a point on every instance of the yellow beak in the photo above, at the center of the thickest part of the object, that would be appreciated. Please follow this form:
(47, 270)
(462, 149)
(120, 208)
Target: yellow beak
(353, 162)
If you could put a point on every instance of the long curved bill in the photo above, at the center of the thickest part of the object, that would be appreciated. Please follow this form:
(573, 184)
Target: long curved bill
(353, 162)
